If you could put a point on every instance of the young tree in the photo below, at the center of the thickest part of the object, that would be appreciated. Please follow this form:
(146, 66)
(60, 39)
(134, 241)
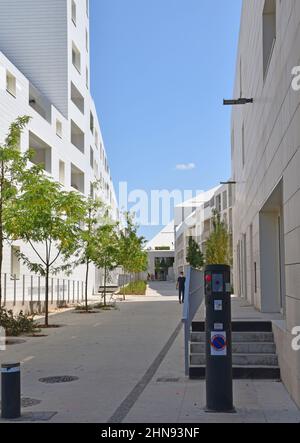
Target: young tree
(131, 256)
(194, 257)
(48, 219)
(86, 240)
(13, 167)
(218, 248)
(104, 253)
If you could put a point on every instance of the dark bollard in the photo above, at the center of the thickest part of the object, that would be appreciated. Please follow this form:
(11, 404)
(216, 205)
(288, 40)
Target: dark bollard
(219, 389)
(11, 391)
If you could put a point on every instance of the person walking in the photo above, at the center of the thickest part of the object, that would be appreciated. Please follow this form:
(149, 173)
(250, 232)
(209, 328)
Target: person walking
(181, 287)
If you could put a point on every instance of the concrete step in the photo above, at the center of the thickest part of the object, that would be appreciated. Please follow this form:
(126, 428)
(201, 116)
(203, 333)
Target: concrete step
(240, 348)
(240, 360)
(239, 326)
(241, 372)
(237, 337)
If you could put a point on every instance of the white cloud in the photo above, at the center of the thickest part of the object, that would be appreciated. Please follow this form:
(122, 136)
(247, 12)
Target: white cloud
(185, 166)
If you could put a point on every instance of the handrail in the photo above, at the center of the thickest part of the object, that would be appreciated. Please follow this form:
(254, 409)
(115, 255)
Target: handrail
(194, 295)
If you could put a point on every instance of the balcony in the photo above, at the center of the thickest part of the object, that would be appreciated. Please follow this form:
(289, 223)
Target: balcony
(77, 179)
(77, 137)
(42, 152)
(39, 103)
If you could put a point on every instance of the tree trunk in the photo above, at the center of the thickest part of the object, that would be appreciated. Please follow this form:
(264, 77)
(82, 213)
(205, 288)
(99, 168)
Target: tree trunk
(86, 285)
(124, 284)
(104, 292)
(47, 297)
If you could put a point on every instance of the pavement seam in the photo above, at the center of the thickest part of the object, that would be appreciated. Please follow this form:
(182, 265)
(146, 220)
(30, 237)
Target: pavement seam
(123, 410)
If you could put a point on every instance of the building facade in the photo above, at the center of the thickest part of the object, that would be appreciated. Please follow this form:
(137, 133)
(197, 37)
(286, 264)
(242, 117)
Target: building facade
(45, 74)
(194, 218)
(160, 252)
(265, 165)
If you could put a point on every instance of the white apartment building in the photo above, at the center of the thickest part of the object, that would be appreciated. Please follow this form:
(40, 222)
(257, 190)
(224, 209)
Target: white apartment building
(193, 218)
(161, 253)
(45, 74)
(265, 166)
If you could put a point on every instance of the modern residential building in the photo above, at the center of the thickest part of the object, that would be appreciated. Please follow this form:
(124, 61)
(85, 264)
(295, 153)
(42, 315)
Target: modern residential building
(45, 74)
(193, 218)
(265, 166)
(161, 254)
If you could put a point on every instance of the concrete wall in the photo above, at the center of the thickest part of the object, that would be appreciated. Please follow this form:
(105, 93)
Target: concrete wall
(266, 154)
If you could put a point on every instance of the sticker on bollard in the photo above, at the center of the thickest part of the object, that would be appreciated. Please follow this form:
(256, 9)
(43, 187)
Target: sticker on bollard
(218, 344)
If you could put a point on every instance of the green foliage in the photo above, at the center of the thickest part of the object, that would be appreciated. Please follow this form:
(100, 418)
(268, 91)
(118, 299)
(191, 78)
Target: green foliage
(195, 258)
(104, 253)
(16, 325)
(136, 288)
(131, 256)
(13, 168)
(48, 219)
(218, 245)
(85, 247)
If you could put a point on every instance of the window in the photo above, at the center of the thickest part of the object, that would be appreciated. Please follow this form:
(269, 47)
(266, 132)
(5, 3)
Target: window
(87, 80)
(224, 198)
(77, 98)
(59, 128)
(91, 122)
(218, 203)
(91, 157)
(62, 172)
(15, 263)
(87, 40)
(76, 57)
(11, 84)
(269, 33)
(74, 12)
(77, 137)
(96, 138)
(92, 191)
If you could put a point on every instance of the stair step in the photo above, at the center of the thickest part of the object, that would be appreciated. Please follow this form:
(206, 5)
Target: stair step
(241, 372)
(237, 337)
(239, 326)
(240, 359)
(240, 348)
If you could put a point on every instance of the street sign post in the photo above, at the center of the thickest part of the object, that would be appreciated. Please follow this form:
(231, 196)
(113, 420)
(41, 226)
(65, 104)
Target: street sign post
(219, 389)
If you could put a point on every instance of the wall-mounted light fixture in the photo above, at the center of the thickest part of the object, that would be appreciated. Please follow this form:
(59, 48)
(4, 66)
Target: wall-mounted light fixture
(239, 101)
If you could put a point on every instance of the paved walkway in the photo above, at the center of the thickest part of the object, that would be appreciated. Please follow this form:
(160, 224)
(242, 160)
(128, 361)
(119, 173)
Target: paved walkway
(129, 364)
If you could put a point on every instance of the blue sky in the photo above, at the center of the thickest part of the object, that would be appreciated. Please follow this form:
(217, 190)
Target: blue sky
(160, 70)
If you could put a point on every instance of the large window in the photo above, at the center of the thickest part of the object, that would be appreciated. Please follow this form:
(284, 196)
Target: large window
(269, 33)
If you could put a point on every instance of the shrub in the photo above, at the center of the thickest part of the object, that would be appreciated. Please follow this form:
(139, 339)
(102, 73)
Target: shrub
(16, 325)
(136, 288)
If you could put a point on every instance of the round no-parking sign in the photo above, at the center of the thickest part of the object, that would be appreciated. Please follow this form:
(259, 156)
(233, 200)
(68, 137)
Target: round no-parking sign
(218, 344)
